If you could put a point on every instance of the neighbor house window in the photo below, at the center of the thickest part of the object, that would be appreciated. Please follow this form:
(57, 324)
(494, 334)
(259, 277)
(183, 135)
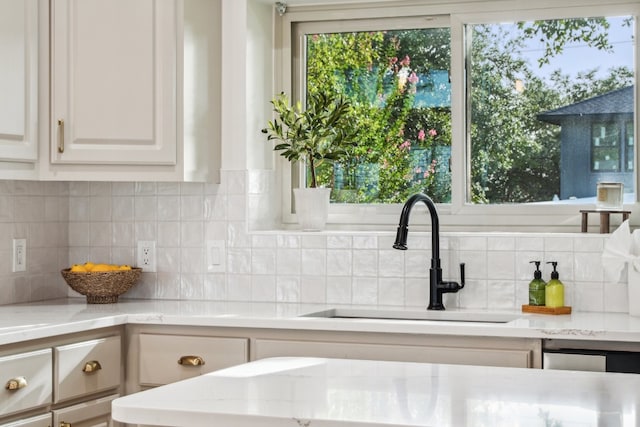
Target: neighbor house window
(629, 145)
(605, 147)
(487, 112)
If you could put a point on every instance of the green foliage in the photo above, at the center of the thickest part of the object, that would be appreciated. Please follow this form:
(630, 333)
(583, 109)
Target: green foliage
(393, 158)
(321, 132)
(556, 34)
(402, 146)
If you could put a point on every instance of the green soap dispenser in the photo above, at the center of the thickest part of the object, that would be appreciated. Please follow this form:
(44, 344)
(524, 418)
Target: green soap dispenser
(537, 286)
(554, 291)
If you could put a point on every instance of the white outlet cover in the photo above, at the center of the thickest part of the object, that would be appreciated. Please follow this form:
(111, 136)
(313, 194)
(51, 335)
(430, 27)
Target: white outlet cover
(148, 265)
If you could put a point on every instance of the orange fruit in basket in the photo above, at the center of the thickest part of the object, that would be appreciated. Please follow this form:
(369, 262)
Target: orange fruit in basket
(102, 267)
(78, 268)
(124, 267)
(88, 266)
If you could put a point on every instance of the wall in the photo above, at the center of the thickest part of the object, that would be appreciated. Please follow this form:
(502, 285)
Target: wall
(106, 219)
(38, 212)
(74, 222)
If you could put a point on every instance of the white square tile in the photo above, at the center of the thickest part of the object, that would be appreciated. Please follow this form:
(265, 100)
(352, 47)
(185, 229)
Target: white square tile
(339, 242)
(145, 208)
(168, 208)
(365, 242)
(263, 288)
(365, 290)
(365, 262)
(122, 208)
(192, 234)
(339, 290)
(416, 292)
(215, 207)
(239, 287)
(588, 267)
(501, 243)
(314, 262)
(288, 289)
(239, 261)
(501, 294)
(169, 234)
(391, 263)
(339, 262)
(314, 241)
(529, 244)
(558, 244)
(192, 260)
(417, 263)
(288, 261)
(191, 208)
(391, 291)
(263, 261)
(474, 294)
(475, 264)
(313, 289)
(500, 265)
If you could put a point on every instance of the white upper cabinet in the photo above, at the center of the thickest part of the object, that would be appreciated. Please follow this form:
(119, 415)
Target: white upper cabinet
(18, 80)
(114, 82)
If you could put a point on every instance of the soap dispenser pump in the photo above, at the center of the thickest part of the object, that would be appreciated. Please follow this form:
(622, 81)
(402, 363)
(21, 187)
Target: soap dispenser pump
(537, 286)
(554, 291)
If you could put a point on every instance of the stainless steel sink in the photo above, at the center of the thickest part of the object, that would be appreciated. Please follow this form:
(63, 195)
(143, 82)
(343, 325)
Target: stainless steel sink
(424, 315)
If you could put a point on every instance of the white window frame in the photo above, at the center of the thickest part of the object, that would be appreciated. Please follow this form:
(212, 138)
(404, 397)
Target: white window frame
(459, 215)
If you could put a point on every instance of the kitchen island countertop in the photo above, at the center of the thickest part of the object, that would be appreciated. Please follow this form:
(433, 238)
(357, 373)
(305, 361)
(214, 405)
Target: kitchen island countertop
(314, 392)
(23, 322)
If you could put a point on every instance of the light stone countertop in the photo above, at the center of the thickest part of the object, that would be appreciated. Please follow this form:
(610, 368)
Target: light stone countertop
(23, 322)
(314, 392)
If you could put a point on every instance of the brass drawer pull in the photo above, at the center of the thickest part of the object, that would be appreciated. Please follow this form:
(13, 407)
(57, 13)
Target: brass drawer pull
(16, 383)
(191, 361)
(63, 424)
(60, 136)
(91, 367)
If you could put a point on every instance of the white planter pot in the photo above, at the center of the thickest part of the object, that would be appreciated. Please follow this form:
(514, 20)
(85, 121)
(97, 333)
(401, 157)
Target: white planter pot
(312, 207)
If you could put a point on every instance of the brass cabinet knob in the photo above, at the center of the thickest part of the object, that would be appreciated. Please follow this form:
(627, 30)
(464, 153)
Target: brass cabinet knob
(63, 424)
(16, 383)
(91, 367)
(191, 361)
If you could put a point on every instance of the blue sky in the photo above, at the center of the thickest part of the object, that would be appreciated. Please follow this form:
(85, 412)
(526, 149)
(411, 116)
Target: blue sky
(579, 57)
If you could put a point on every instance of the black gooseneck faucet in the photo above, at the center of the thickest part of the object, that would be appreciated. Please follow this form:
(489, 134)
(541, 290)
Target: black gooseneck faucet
(437, 287)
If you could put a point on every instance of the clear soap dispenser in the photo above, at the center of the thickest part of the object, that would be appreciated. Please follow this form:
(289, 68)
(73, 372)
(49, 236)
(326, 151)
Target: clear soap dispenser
(537, 286)
(554, 291)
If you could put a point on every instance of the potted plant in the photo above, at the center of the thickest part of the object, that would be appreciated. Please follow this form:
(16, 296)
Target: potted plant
(323, 132)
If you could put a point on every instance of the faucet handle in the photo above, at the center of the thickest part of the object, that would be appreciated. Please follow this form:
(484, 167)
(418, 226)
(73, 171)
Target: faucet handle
(461, 275)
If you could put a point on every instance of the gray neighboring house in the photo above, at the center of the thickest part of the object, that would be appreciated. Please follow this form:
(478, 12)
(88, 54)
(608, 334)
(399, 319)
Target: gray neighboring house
(597, 142)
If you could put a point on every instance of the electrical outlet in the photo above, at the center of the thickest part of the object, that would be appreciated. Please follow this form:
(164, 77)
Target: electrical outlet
(19, 255)
(147, 255)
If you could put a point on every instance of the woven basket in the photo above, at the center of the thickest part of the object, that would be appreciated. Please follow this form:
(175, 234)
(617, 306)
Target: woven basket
(102, 287)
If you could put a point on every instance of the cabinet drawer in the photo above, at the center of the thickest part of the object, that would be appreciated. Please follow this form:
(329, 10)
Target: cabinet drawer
(160, 356)
(86, 367)
(39, 421)
(32, 371)
(401, 353)
(95, 413)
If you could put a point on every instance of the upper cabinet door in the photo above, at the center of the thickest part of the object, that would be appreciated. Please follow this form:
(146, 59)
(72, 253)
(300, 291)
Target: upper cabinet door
(113, 82)
(18, 80)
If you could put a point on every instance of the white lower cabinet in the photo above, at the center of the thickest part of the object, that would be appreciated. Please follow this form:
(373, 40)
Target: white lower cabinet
(94, 413)
(169, 358)
(466, 355)
(37, 421)
(27, 381)
(66, 381)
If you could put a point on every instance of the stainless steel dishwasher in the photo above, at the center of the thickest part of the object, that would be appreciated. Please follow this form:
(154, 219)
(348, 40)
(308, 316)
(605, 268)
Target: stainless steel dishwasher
(597, 356)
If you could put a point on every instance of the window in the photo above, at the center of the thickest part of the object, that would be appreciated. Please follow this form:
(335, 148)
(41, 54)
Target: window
(605, 147)
(480, 110)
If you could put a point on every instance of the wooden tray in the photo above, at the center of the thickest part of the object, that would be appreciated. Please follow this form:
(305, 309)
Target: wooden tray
(541, 309)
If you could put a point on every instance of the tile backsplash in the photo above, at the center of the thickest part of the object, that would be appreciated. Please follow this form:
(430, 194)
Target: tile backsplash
(73, 222)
